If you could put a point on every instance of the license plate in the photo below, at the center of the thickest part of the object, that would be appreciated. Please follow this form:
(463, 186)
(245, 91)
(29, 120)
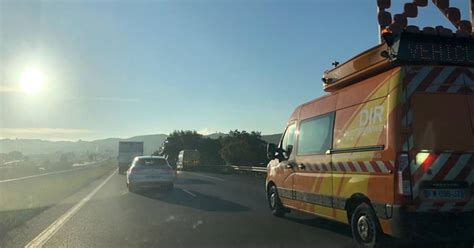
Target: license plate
(445, 194)
(153, 177)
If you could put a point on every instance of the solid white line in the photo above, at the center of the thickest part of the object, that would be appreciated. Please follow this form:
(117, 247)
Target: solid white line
(40, 175)
(189, 192)
(201, 175)
(45, 235)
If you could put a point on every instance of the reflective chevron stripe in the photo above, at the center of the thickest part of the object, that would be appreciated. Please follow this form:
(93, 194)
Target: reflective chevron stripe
(374, 166)
(442, 167)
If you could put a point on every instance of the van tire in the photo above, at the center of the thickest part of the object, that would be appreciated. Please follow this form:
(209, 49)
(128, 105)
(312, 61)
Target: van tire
(274, 202)
(366, 231)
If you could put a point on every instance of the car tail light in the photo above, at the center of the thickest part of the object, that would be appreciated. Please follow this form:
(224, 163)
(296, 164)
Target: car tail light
(403, 178)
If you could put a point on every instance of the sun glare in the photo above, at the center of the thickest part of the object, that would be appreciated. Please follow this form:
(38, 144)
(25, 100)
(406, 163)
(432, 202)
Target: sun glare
(31, 80)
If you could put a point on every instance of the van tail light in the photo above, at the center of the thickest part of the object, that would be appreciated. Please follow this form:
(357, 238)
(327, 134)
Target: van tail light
(403, 179)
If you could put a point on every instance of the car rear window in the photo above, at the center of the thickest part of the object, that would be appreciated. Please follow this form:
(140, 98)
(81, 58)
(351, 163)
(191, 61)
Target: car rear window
(152, 162)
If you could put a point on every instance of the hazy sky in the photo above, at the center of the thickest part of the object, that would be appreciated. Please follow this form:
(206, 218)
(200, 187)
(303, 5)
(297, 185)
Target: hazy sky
(124, 68)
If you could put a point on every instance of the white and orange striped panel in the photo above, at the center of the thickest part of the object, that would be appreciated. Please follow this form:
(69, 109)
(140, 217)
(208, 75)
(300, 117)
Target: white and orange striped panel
(439, 167)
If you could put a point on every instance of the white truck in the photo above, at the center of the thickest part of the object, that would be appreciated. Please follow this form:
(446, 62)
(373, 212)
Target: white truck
(128, 150)
(187, 159)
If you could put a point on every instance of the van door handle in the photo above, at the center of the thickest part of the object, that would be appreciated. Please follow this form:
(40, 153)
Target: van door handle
(290, 165)
(302, 166)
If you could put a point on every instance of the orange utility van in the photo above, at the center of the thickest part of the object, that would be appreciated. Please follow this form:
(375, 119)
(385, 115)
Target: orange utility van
(389, 150)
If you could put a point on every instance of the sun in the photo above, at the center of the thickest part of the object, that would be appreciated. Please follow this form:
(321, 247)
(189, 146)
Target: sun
(31, 80)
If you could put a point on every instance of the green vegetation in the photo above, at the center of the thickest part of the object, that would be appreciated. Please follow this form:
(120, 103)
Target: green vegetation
(243, 148)
(235, 148)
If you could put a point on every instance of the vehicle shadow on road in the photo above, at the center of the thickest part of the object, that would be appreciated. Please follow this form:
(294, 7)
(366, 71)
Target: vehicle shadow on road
(345, 230)
(200, 201)
(321, 223)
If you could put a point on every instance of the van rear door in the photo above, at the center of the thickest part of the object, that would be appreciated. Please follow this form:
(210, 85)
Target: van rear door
(442, 169)
(469, 81)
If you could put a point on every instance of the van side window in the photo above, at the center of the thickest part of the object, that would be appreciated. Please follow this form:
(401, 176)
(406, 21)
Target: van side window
(315, 135)
(289, 138)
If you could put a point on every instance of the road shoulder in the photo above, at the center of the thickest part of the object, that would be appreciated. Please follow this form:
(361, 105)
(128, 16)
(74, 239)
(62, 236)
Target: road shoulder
(26, 232)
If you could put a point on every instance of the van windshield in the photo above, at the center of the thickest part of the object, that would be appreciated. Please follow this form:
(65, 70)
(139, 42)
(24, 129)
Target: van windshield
(152, 162)
(442, 122)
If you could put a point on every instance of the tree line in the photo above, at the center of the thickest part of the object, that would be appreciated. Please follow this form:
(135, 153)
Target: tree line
(240, 148)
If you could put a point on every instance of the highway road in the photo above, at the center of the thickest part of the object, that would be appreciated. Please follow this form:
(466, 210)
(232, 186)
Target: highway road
(204, 210)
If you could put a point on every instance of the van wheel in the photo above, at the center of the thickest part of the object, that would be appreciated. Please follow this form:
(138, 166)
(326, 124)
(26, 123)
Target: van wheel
(366, 230)
(274, 201)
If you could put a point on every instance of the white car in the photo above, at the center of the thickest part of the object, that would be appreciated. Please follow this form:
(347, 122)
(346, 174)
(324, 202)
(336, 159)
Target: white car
(150, 172)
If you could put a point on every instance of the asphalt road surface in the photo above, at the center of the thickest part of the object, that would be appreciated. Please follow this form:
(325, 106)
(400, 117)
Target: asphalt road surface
(204, 210)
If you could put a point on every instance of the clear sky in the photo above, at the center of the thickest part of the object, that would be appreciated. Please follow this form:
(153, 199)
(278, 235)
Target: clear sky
(125, 68)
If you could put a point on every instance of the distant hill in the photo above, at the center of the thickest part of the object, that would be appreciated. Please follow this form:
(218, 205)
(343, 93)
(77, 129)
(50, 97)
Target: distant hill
(152, 142)
(35, 146)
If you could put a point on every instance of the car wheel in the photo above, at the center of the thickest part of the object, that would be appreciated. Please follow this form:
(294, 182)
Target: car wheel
(365, 226)
(275, 203)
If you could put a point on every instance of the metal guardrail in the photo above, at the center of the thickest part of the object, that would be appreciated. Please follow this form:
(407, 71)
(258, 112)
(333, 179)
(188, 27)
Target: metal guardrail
(229, 169)
(250, 169)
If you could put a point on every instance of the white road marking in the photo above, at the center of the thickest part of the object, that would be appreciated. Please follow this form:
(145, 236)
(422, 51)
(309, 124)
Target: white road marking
(47, 233)
(201, 175)
(40, 175)
(189, 192)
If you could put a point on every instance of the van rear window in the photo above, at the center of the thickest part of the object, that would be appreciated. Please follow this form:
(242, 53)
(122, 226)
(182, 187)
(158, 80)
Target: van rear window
(315, 135)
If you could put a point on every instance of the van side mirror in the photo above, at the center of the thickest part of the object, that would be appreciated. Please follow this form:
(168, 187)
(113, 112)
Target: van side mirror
(289, 149)
(271, 151)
